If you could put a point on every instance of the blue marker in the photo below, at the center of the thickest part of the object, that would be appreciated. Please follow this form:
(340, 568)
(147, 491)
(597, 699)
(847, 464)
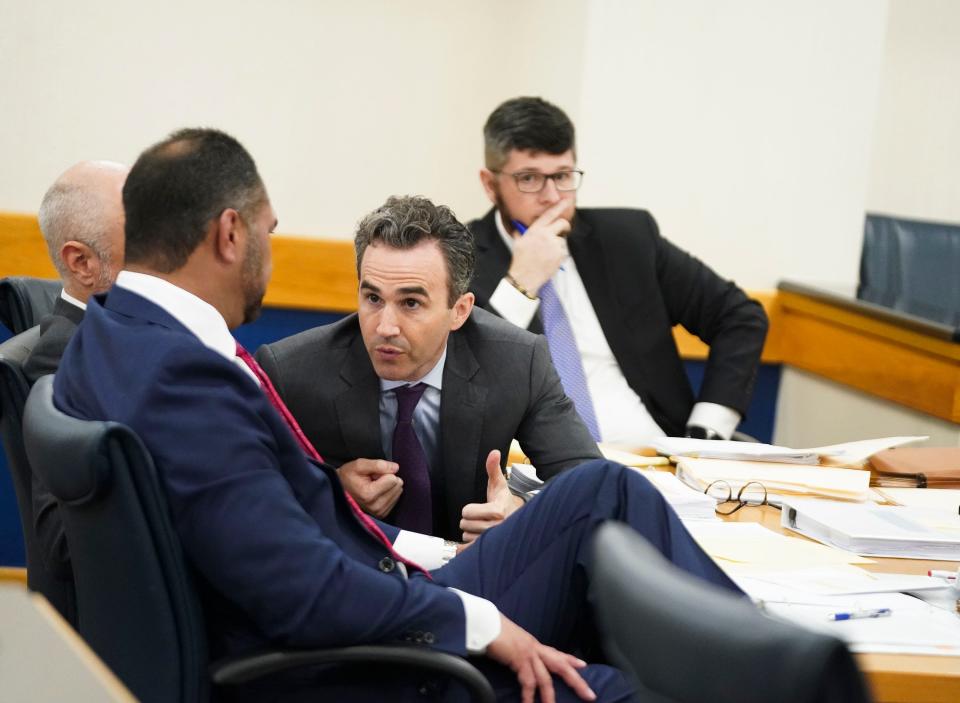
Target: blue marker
(858, 614)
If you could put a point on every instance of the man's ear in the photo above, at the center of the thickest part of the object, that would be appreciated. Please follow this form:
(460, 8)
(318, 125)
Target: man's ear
(488, 179)
(82, 263)
(461, 310)
(225, 231)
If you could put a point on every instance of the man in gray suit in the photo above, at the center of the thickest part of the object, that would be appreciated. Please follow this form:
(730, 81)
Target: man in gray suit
(81, 218)
(417, 396)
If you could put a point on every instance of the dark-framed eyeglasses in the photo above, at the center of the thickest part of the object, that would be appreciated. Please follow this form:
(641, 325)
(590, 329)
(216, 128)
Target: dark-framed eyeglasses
(533, 182)
(752, 493)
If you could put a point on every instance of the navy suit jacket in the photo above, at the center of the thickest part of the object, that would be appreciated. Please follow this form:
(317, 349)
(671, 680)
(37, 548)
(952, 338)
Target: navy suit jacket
(640, 286)
(280, 556)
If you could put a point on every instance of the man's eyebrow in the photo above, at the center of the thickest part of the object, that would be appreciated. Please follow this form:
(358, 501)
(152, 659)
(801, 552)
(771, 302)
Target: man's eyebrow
(365, 285)
(414, 290)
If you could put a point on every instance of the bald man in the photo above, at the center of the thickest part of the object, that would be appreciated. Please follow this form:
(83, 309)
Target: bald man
(81, 218)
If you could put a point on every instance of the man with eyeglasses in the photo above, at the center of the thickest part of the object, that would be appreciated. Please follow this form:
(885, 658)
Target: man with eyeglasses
(606, 289)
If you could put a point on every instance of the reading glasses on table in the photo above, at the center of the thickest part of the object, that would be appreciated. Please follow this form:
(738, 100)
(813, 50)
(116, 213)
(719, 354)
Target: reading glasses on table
(752, 493)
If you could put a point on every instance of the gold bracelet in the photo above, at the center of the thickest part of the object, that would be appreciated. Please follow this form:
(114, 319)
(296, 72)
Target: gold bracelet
(513, 282)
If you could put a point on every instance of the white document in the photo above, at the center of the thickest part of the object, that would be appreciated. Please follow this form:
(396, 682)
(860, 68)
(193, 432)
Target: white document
(913, 627)
(851, 453)
(779, 479)
(942, 499)
(876, 530)
(686, 502)
(728, 449)
(841, 579)
(847, 453)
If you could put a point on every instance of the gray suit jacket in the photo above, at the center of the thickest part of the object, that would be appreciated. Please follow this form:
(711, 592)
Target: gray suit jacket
(498, 384)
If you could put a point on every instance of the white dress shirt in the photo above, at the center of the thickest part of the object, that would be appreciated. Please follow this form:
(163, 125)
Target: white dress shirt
(208, 326)
(622, 417)
(73, 301)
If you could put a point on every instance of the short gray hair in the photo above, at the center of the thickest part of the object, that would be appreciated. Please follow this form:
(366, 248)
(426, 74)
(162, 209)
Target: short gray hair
(72, 211)
(404, 222)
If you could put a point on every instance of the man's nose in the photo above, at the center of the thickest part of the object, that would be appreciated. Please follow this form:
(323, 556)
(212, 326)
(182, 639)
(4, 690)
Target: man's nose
(549, 193)
(387, 324)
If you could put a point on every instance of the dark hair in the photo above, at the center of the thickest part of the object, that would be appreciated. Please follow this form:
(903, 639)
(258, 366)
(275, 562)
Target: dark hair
(404, 222)
(526, 124)
(177, 187)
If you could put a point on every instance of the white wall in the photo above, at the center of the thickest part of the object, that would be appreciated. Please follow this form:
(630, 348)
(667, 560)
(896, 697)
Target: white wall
(341, 103)
(744, 126)
(916, 152)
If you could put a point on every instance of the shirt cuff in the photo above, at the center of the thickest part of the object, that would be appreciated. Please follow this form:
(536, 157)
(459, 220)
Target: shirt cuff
(512, 305)
(482, 622)
(424, 550)
(712, 416)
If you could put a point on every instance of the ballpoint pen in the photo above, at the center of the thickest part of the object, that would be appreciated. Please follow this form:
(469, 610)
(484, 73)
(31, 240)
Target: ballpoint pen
(949, 575)
(858, 614)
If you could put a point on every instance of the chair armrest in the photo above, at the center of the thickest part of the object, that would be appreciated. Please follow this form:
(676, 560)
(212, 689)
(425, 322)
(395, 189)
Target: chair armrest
(235, 671)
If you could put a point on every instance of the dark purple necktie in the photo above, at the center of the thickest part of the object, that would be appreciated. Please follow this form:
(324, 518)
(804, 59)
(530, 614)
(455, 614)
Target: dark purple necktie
(414, 510)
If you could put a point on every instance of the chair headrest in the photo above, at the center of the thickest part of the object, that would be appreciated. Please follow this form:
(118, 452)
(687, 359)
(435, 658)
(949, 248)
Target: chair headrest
(68, 454)
(24, 300)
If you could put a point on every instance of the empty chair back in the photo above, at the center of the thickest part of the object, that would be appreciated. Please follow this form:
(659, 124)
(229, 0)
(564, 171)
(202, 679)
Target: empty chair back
(136, 603)
(24, 301)
(685, 641)
(53, 580)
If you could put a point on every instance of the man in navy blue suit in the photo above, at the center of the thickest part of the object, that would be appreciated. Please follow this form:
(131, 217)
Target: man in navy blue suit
(282, 556)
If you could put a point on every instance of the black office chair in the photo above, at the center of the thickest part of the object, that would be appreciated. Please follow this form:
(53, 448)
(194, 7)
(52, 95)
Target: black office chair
(138, 608)
(53, 580)
(685, 641)
(24, 301)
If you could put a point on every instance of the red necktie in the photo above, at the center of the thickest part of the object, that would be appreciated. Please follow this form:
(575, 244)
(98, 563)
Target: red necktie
(277, 402)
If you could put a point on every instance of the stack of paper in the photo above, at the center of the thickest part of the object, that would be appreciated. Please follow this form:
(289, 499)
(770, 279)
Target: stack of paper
(852, 454)
(613, 453)
(779, 479)
(723, 449)
(877, 530)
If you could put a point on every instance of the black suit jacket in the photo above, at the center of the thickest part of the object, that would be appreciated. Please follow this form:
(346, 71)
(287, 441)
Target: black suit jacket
(56, 330)
(498, 383)
(640, 286)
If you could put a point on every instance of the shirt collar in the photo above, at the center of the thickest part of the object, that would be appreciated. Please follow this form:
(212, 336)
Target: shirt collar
(433, 378)
(202, 319)
(504, 234)
(73, 301)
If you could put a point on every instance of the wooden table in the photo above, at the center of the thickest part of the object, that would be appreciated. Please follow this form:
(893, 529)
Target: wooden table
(42, 659)
(893, 678)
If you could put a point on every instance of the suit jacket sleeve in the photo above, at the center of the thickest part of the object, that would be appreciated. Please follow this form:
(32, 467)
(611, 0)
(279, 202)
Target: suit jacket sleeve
(552, 433)
(717, 311)
(249, 526)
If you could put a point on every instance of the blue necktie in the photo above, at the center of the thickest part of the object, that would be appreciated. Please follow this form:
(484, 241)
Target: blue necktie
(566, 356)
(414, 510)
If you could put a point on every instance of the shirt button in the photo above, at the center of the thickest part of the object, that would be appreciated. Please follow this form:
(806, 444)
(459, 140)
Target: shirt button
(387, 565)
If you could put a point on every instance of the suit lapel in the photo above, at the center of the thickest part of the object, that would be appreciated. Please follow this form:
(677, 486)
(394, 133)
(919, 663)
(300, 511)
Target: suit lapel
(358, 405)
(462, 409)
(617, 304)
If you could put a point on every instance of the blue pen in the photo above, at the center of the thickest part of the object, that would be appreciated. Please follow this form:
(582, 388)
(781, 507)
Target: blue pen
(857, 614)
(522, 229)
